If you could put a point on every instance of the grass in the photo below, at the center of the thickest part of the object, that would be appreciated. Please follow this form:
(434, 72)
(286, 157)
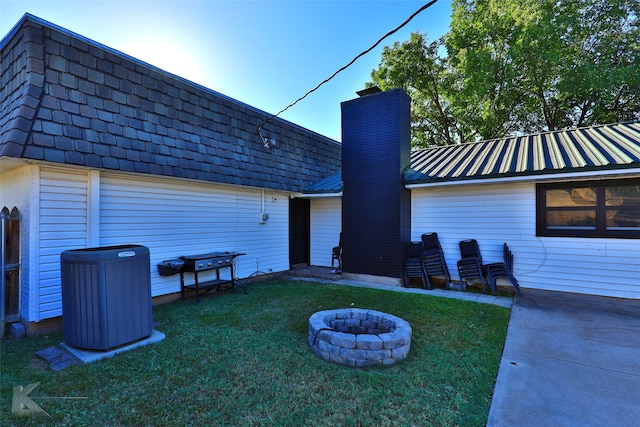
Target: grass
(243, 360)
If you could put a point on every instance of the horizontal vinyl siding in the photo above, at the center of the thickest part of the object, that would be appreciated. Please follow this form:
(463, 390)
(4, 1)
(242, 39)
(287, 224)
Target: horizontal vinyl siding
(596, 266)
(494, 214)
(174, 218)
(326, 224)
(63, 226)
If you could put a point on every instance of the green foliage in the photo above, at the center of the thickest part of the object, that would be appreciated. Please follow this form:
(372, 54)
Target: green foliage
(243, 360)
(418, 67)
(514, 67)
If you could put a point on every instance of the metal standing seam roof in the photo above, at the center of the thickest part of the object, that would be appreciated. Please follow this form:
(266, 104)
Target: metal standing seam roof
(596, 148)
(329, 185)
(604, 147)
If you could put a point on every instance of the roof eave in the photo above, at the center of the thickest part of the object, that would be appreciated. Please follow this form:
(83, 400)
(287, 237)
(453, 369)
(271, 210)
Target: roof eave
(633, 169)
(320, 195)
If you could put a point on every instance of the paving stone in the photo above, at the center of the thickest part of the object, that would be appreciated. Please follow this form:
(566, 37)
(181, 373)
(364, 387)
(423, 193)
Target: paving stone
(57, 358)
(18, 331)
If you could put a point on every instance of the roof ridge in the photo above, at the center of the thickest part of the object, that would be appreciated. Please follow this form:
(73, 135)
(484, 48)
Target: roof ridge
(106, 110)
(35, 19)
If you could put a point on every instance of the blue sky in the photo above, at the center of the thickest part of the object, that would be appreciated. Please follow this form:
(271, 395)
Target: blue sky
(264, 53)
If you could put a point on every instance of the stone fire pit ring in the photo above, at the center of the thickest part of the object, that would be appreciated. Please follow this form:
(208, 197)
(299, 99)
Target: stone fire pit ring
(359, 337)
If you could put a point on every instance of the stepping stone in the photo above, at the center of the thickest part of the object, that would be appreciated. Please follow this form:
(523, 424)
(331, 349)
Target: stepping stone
(57, 358)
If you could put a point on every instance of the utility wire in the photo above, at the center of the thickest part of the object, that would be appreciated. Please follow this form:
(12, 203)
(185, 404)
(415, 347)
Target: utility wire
(426, 6)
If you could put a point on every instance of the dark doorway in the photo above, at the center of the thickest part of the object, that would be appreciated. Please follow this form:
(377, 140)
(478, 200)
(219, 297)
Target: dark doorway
(299, 230)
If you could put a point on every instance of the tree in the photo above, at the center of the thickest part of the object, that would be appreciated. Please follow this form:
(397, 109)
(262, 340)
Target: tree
(417, 67)
(514, 67)
(601, 41)
(483, 45)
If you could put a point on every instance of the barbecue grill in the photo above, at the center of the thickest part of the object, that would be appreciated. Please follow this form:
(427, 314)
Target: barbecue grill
(206, 262)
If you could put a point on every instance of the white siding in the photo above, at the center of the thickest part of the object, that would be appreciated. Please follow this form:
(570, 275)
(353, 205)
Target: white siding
(174, 218)
(494, 214)
(62, 226)
(326, 224)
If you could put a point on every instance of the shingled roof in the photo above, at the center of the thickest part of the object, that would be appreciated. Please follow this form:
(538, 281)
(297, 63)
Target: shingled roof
(593, 149)
(69, 100)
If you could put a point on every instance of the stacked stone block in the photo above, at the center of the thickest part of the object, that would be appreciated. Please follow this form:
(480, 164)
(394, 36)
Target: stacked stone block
(358, 337)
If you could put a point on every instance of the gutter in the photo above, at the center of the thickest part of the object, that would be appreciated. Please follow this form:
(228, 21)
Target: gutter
(529, 178)
(319, 195)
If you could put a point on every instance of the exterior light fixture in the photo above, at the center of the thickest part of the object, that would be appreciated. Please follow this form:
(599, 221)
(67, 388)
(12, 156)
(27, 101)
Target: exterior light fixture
(267, 142)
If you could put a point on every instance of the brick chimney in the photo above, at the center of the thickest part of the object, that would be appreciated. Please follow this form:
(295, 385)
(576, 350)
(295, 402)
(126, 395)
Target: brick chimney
(376, 207)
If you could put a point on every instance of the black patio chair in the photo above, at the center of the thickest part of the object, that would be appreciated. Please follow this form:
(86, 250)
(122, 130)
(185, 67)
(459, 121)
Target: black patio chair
(336, 254)
(413, 266)
(470, 265)
(433, 258)
(504, 270)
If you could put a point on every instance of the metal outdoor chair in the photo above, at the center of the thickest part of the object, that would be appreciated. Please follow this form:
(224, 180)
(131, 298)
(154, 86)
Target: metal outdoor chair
(433, 258)
(336, 254)
(470, 265)
(413, 267)
(502, 270)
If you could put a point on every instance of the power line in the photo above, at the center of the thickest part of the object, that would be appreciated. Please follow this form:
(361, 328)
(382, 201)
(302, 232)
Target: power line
(361, 54)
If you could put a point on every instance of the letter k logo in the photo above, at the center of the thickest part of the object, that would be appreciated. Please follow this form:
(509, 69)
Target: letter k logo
(22, 405)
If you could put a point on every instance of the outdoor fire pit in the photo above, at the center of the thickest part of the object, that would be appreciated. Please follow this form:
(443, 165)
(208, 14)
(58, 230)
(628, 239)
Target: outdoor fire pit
(358, 337)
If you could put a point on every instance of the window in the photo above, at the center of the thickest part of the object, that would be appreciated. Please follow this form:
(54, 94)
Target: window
(589, 209)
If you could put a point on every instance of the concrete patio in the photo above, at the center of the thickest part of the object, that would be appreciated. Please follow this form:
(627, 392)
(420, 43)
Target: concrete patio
(569, 360)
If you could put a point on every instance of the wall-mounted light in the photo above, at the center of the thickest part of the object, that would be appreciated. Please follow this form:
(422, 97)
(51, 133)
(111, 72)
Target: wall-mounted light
(267, 142)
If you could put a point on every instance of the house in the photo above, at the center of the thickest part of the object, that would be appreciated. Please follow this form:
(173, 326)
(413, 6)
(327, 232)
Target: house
(566, 202)
(98, 148)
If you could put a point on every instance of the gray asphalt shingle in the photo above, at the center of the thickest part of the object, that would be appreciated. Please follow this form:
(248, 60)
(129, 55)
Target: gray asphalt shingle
(67, 99)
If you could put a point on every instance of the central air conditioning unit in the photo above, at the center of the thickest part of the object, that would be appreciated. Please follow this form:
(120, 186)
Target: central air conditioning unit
(106, 296)
(263, 217)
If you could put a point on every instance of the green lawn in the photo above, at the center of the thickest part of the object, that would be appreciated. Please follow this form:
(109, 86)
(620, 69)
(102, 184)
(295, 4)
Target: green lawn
(243, 360)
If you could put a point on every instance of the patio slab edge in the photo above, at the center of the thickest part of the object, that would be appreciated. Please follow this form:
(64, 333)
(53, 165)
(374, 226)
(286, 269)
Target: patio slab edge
(505, 302)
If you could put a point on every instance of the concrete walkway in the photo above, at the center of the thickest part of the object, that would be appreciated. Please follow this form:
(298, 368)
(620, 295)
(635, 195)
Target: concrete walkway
(467, 296)
(569, 359)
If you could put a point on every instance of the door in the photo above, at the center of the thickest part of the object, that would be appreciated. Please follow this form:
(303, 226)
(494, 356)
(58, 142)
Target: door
(299, 231)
